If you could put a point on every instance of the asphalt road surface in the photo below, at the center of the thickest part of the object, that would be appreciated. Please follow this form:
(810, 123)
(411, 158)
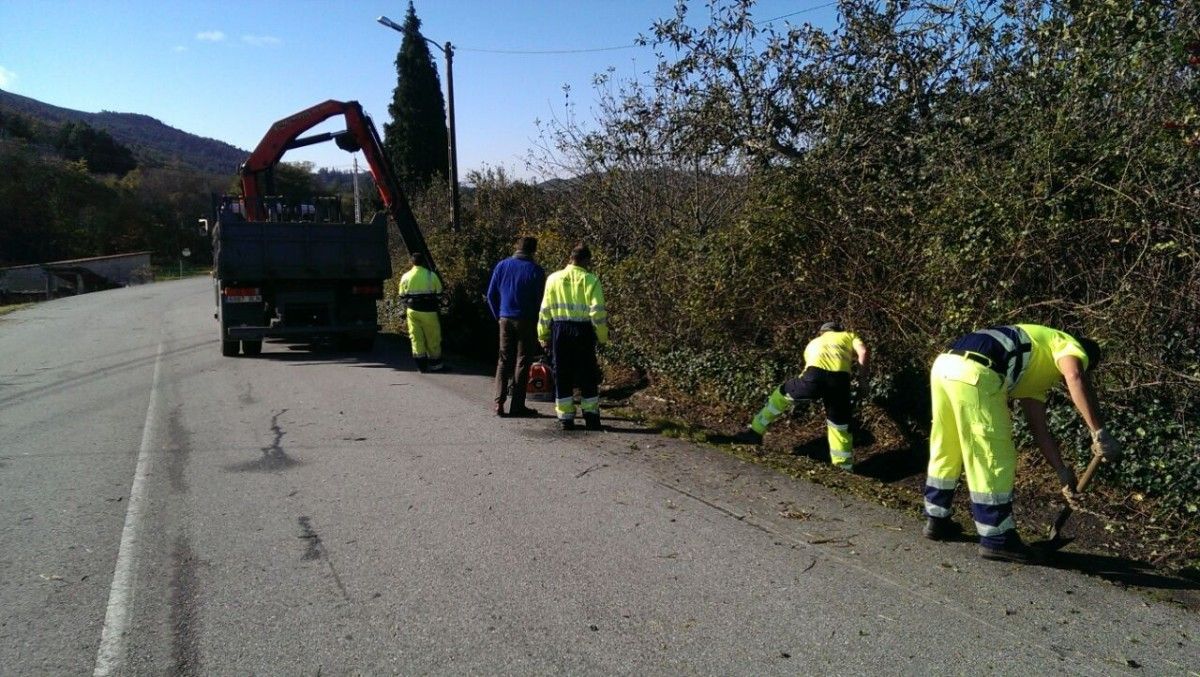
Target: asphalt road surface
(166, 510)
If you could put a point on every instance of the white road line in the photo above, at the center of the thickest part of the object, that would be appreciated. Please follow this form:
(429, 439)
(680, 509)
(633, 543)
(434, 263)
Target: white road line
(116, 619)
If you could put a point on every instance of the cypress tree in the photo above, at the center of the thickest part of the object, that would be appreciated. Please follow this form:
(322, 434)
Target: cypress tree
(416, 138)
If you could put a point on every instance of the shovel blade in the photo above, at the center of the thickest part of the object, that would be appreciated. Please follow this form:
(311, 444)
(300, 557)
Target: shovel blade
(1060, 521)
(1056, 541)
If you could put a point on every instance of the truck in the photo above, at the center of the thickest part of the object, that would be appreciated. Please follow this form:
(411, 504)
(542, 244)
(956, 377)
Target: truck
(296, 270)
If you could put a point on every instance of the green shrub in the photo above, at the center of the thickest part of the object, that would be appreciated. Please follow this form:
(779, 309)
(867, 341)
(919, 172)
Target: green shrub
(913, 176)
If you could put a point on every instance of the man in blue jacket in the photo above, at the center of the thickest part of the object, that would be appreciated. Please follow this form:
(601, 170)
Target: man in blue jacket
(515, 295)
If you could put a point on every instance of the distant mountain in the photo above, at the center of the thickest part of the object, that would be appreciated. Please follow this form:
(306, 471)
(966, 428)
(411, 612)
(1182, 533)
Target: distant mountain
(153, 142)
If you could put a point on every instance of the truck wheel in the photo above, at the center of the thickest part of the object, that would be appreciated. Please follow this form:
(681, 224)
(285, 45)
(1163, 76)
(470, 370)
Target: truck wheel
(229, 348)
(252, 348)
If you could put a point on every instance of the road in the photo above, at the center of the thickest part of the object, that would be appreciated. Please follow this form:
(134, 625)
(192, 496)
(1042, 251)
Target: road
(168, 510)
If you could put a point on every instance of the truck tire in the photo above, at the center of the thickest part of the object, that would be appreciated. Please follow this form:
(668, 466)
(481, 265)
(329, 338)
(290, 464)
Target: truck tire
(229, 348)
(252, 348)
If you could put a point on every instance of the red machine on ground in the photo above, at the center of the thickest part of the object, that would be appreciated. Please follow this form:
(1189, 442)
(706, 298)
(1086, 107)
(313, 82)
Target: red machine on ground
(297, 270)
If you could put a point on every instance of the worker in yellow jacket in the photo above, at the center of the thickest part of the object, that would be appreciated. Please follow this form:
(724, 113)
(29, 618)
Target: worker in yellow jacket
(572, 321)
(828, 359)
(421, 291)
(971, 384)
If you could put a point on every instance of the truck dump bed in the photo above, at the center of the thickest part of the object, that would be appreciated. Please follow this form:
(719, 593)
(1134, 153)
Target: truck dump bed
(246, 250)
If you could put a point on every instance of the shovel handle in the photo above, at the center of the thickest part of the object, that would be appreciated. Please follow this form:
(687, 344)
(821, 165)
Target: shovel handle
(1056, 541)
(1093, 466)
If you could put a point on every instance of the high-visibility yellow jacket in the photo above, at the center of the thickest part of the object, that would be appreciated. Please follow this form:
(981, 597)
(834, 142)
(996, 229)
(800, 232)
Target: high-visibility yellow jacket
(573, 295)
(420, 287)
(1025, 355)
(832, 350)
(1041, 370)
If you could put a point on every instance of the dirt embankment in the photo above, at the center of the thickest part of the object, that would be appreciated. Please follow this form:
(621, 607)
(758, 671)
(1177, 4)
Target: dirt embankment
(1117, 535)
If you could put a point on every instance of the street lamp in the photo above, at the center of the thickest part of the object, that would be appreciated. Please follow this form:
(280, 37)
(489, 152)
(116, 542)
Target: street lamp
(448, 52)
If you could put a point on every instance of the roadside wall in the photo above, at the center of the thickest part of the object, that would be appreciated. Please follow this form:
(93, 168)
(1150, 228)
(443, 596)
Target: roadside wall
(74, 276)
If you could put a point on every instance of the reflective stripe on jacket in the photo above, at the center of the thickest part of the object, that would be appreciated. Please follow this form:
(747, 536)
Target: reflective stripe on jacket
(1024, 355)
(1006, 348)
(573, 295)
(421, 288)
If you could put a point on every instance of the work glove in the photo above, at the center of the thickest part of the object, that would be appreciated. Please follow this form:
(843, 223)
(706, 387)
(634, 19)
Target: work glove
(1068, 479)
(1104, 444)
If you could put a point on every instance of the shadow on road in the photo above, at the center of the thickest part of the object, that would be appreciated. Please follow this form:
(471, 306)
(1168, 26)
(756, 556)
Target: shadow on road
(817, 449)
(1128, 572)
(893, 466)
(625, 391)
(631, 431)
(391, 351)
(388, 352)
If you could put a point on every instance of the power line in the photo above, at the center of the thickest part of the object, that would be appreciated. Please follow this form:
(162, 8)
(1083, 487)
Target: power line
(547, 51)
(802, 11)
(619, 47)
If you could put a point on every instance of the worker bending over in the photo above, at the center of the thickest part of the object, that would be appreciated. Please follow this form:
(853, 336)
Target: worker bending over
(421, 291)
(826, 376)
(971, 384)
(571, 322)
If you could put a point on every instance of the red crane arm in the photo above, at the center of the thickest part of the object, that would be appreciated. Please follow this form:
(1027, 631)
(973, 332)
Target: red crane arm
(360, 134)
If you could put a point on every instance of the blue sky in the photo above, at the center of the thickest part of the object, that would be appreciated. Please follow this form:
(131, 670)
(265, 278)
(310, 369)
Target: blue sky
(227, 70)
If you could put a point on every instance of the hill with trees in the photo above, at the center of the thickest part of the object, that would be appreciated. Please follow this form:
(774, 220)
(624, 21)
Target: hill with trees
(153, 142)
(82, 184)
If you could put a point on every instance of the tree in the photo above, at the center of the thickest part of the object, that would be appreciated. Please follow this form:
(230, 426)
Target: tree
(923, 168)
(16, 126)
(416, 137)
(102, 153)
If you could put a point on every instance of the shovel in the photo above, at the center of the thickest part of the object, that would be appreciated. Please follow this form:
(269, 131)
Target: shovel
(1057, 540)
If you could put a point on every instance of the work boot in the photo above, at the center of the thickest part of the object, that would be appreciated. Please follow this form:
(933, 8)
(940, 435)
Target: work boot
(591, 421)
(436, 365)
(522, 411)
(422, 364)
(567, 423)
(941, 529)
(1012, 550)
(748, 436)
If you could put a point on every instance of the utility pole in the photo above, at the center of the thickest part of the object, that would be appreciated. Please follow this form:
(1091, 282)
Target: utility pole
(357, 208)
(454, 204)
